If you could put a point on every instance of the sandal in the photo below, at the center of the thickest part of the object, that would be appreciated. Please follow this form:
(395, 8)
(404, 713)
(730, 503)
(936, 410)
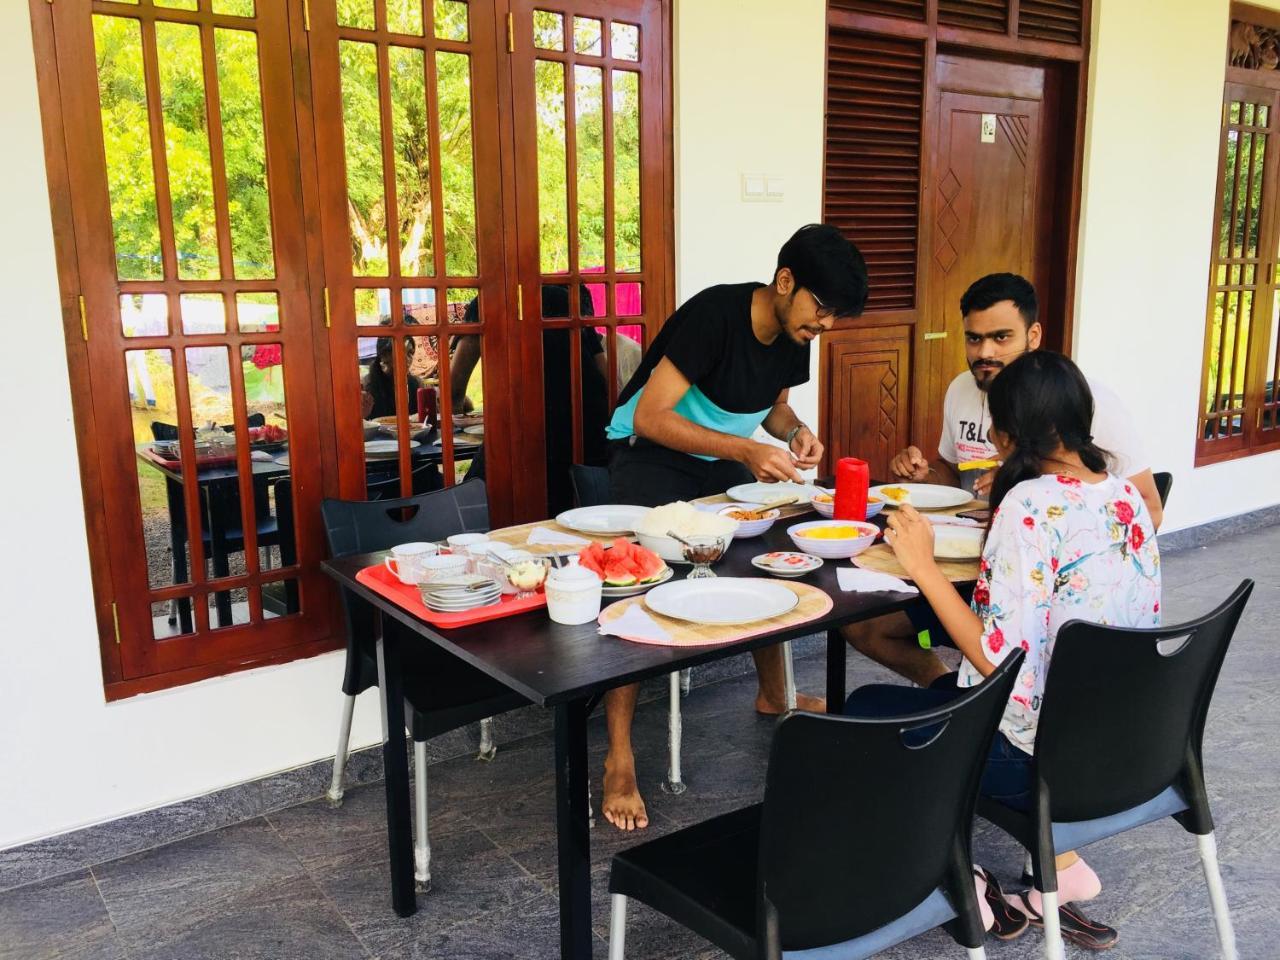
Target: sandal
(1010, 922)
(1076, 927)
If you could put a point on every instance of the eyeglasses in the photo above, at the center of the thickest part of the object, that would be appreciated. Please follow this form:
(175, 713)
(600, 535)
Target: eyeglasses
(823, 309)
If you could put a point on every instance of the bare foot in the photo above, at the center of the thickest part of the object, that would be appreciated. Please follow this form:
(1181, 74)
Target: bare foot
(623, 805)
(771, 708)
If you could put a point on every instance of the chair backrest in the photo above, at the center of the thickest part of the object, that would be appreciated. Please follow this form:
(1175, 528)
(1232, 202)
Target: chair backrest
(361, 526)
(864, 818)
(1124, 710)
(1164, 483)
(590, 485)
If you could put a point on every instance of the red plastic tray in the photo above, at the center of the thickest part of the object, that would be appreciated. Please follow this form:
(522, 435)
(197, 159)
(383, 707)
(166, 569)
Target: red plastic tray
(174, 463)
(382, 581)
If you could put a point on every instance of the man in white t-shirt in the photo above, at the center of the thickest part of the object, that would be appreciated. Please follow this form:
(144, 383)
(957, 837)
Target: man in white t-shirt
(1000, 325)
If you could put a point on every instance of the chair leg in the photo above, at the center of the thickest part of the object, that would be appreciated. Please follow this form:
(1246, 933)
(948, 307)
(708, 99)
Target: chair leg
(334, 795)
(1053, 947)
(1217, 895)
(618, 928)
(674, 784)
(421, 840)
(788, 676)
(977, 953)
(686, 681)
(488, 749)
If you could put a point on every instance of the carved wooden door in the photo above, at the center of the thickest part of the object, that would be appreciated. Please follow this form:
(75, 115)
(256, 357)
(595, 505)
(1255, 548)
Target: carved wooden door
(868, 372)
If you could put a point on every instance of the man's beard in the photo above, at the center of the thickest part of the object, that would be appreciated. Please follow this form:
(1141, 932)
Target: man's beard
(989, 368)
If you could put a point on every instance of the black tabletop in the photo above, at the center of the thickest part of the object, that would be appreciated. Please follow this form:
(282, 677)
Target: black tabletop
(550, 663)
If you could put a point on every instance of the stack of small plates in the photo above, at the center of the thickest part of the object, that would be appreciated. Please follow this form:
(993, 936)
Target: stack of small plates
(460, 593)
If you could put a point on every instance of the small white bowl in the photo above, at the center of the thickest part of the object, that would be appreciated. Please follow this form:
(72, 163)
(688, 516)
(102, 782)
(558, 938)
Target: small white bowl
(460, 540)
(443, 566)
(668, 549)
(750, 528)
(833, 549)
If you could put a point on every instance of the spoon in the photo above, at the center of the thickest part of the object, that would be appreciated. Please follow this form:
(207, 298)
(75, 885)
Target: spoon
(675, 536)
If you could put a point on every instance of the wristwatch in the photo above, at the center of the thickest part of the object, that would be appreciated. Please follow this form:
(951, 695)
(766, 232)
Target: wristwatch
(791, 434)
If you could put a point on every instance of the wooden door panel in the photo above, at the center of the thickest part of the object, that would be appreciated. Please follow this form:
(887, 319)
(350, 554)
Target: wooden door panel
(867, 372)
(984, 202)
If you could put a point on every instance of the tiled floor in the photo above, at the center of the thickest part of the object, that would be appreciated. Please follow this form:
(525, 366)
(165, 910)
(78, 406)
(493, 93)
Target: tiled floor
(311, 881)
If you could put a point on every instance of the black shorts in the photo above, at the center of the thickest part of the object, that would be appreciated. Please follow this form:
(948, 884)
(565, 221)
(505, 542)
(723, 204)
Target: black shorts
(649, 475)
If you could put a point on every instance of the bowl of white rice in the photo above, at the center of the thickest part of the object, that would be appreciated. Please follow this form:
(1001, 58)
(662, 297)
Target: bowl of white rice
(684, 519)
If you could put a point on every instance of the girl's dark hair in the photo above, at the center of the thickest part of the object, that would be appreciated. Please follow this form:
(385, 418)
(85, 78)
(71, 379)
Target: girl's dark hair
(1041, 400)
(827, 264)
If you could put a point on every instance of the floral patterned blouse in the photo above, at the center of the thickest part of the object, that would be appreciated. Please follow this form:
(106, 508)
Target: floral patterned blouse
(1060, 549)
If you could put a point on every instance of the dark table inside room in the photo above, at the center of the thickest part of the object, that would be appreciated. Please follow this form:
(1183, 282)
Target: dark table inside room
(569, 669)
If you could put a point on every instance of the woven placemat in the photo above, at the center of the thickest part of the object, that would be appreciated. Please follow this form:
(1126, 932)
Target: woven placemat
(813, 604)
(518, 536)
(880, 558)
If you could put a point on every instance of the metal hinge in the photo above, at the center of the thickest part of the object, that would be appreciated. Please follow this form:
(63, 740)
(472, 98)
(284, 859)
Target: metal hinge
(84, 318)
(326, 308)
(306, 14)
(115, 621)
(520, 302)
(936, 336)
(511, 33)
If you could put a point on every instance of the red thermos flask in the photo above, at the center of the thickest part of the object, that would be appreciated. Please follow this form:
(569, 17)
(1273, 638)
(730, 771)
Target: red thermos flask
(853, 478)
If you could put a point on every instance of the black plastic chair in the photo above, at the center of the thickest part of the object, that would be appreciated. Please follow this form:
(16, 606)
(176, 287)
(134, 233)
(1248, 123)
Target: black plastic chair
(1118, 745)
(1164, 483)
(441, 691)
(590, 485)
(862, 840)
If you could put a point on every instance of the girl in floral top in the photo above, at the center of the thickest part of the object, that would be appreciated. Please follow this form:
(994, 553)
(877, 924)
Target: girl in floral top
(1067, 541)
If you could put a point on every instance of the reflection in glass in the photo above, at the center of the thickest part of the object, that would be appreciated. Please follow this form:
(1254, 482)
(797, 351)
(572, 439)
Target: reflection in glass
(413, 160)
(373, 306)
(144, 314)
(588, 88)
(245, 151)
(626, 171)
(630, 300)
(257, 312)
(186, 133)
(628, 347)
(586, 36)
(177, 4)
(457, 163)
(451, 20)
(362, 128)
(624, 41)
(405, 16)
(466, 392)
(229, 608)
(126, 137)
(356, 13)
(234, 8)
(553, 202)
(462, 305)
(562, 404)
(154, 411)
(596, 293)
(381, 432)
(280, 598)
(262, 367)
(203, 313)
(548, 30)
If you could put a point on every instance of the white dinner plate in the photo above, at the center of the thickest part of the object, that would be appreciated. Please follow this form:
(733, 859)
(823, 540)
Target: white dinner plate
(957, 543)
(386, 448)
(760, 492)
(608, 518)
(923, 496)
(630, 590)
(475, 431)
(721, 600)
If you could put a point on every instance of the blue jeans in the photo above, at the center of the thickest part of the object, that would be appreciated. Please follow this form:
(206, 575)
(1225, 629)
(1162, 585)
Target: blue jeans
(1007, 776)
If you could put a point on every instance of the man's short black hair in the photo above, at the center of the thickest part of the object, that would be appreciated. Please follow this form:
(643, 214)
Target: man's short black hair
(995, 288)
(829, 266)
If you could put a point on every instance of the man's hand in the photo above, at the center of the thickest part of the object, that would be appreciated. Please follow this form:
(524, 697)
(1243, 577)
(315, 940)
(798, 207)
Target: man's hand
(911, 537)
(806, 448)
(770, 464)
(910, 464)
(982, 486)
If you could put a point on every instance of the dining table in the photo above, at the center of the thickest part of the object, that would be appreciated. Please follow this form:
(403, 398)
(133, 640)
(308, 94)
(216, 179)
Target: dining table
(568, 670)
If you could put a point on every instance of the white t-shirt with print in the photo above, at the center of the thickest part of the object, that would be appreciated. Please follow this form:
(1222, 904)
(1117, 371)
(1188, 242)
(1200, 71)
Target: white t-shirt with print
(1060, 550)
(965, 419)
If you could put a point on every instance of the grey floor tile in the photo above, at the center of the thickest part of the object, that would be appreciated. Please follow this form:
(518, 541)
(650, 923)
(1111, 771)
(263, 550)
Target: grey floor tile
(62, 918)
(527, 930)
(154, 897)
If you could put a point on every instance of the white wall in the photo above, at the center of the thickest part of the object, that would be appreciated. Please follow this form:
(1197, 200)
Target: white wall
(68, 757)
(1151, 157)
(748, 99)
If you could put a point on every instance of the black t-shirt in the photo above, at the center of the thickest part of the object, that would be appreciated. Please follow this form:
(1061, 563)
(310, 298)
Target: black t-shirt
(711, 342)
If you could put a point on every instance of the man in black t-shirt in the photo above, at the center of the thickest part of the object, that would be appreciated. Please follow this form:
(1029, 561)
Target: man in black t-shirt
(722, 366)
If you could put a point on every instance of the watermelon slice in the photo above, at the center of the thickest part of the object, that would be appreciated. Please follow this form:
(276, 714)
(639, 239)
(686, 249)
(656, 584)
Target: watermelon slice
(617, 573)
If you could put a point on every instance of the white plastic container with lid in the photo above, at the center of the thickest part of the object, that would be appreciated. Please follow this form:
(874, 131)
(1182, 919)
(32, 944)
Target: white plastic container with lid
(573, 594)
